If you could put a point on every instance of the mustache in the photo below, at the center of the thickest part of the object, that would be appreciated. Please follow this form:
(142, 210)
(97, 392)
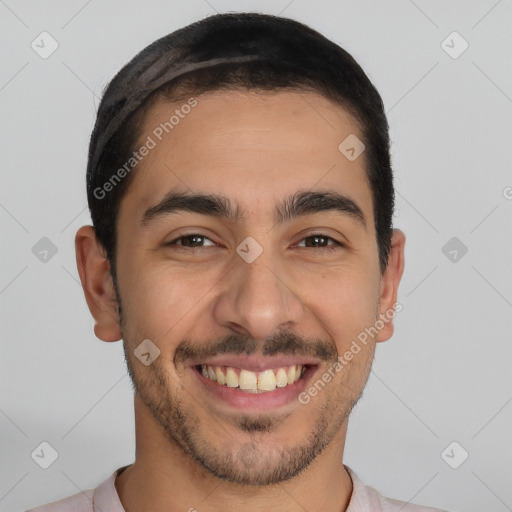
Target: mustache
(284, 342)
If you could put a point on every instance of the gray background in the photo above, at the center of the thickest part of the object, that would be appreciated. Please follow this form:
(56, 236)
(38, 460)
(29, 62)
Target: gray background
(445, 375)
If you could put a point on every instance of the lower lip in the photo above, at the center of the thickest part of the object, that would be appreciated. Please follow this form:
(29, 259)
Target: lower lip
(244, 400)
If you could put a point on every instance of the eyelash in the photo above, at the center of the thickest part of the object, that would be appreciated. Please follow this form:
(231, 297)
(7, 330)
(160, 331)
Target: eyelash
(336, 245)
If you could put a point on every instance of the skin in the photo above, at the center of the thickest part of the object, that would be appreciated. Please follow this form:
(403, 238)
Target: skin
(257, 149)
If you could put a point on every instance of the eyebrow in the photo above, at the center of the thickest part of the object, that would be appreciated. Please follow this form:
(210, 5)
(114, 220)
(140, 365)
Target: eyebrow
(300, 204)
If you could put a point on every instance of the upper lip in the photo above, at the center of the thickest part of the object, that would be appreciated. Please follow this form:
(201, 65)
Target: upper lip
(256, 363)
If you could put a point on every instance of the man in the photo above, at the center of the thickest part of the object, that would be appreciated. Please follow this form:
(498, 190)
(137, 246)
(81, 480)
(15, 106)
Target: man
(241, 192)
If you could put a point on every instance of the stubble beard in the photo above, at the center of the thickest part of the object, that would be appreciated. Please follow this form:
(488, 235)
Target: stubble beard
(254, 462)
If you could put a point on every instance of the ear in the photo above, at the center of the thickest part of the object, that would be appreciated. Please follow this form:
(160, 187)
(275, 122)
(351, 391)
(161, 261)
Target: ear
(389, 285)
(94, 270)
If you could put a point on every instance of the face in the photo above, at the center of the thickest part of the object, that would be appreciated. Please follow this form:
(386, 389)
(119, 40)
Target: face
(247, 255)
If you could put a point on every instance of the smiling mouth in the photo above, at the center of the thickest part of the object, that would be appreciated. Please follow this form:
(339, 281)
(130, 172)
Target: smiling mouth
(264, 381)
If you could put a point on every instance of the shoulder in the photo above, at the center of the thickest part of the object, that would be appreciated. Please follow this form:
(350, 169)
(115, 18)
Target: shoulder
(80, 502)
(104, 497)
(365, 498)
(391, 505)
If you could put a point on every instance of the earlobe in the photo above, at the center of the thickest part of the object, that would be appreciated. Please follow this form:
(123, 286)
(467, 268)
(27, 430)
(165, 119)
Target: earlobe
(390, 281)
(94, 270)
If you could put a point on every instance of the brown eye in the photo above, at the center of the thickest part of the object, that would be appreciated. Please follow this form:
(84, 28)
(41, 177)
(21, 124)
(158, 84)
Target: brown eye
(320, 241)
(192, 240)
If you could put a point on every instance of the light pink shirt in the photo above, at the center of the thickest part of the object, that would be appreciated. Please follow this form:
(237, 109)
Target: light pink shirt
(105, 499)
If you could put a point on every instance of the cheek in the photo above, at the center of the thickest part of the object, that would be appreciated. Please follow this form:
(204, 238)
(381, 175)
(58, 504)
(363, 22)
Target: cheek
(164, 300)
(345, 300)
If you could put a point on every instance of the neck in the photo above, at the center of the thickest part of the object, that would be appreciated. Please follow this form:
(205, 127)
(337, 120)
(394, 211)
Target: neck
(164, 477)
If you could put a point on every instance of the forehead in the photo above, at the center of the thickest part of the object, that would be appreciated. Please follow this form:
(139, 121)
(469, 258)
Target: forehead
(252, 146)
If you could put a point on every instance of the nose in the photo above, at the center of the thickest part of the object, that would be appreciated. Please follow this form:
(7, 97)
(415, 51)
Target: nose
(258, 299)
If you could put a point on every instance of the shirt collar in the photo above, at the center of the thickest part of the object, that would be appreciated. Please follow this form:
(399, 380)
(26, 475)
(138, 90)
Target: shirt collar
(105, 497)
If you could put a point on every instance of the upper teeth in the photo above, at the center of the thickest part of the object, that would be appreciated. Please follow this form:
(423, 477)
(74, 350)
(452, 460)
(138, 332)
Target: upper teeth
(266, 380)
